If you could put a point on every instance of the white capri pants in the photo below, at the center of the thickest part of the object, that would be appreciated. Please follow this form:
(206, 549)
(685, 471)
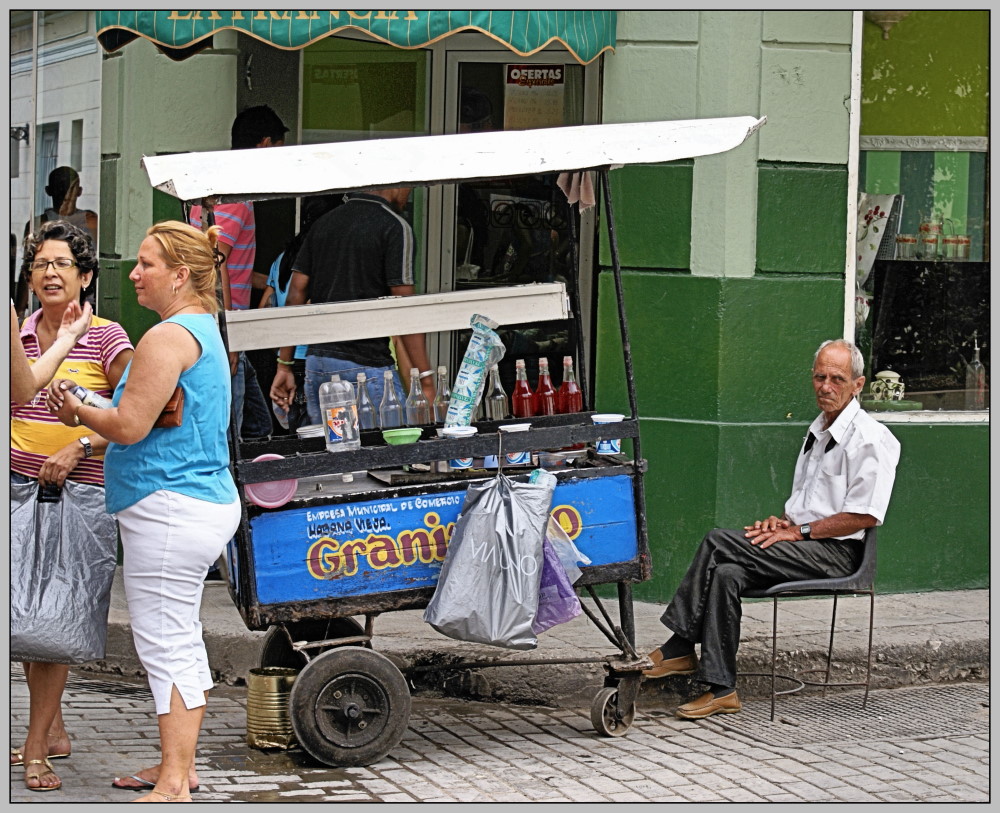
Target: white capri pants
(170, 540)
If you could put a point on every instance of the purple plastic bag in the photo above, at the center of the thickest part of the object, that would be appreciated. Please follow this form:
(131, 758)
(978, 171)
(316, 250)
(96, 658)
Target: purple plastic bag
(557, 600)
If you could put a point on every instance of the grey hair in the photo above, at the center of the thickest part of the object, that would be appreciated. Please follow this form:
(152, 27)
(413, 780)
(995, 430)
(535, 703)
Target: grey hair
(857, 360)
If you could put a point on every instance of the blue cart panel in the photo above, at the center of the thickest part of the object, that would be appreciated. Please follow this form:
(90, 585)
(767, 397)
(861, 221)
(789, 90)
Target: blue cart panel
(324, 551)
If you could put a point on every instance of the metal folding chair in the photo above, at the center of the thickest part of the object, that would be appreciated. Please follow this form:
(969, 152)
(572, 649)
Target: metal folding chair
(862, 581)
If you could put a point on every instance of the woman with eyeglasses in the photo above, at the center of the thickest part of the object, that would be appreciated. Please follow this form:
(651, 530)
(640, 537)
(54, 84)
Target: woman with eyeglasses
(59, 265)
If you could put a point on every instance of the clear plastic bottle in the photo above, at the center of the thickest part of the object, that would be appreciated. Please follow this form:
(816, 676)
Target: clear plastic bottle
(367, 413)
(496, 402)
(390, 411)
(442, 395)
(545, 393)
(418, 408)
(975, 380)
(340, 415)
(569, 397)
(522, 400)
(90, 398)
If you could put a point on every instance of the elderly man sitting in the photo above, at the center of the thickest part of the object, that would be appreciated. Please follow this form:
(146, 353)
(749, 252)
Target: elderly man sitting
(843, 479)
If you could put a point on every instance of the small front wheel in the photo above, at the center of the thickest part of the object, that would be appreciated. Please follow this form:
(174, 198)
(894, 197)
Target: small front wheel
(604, 715)
(349, 706)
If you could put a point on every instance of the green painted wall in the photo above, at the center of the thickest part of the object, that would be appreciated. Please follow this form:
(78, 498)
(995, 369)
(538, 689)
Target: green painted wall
(801, 218)
(722, 346)
(930, 78)
(724, 401)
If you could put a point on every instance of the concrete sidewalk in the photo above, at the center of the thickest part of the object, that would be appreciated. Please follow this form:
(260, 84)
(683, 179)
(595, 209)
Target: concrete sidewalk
(920, 638)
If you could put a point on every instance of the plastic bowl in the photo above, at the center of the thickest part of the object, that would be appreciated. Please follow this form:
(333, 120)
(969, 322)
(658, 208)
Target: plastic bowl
(397, 437)
(273, 494)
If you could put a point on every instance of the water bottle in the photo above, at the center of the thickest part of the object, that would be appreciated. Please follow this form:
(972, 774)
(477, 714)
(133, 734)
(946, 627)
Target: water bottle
(443, 396)
(367, 414)
(975, 380)
(390, 411)
(90, 398)
(545, 393)
(340, 415)
(418, 408)
(496, 401)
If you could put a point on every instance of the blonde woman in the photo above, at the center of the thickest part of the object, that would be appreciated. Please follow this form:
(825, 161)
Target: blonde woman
(171, 489)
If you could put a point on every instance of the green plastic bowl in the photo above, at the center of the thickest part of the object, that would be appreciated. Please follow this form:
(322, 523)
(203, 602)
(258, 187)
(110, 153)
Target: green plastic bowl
(396, 437)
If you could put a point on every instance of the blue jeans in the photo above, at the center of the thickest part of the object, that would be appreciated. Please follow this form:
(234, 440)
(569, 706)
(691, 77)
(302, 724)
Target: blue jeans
(249, 403)
(320, 368)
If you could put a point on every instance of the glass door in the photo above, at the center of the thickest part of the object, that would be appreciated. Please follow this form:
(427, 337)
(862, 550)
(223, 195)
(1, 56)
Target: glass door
(512, 231)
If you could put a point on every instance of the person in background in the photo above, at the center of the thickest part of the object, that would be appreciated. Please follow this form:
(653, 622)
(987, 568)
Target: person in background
(361, 250)
(64, 189)
(275, 293)
(59, 265)
(170, 488)
(842, 484)
(255, 127)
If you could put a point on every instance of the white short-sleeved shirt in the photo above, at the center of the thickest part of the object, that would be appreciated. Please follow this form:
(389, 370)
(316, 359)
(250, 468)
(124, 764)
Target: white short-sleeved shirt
(849, 467)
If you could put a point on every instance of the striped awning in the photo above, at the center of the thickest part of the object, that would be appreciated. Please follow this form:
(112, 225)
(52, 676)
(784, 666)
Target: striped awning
(179, 34)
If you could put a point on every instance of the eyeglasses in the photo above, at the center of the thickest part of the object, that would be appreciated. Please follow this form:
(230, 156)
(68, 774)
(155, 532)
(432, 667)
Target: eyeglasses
(62, 263)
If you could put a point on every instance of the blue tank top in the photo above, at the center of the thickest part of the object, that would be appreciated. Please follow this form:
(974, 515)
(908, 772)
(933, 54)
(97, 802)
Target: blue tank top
(190, 459)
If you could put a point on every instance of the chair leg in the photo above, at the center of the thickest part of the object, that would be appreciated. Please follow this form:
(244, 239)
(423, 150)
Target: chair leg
(829, 651)
(774, 655)
(871, 630)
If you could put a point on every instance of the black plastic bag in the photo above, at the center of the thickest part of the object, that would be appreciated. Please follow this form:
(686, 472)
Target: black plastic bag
(488, 588)
(62, 564)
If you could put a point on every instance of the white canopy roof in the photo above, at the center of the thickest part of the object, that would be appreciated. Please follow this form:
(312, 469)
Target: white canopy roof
(277, 172)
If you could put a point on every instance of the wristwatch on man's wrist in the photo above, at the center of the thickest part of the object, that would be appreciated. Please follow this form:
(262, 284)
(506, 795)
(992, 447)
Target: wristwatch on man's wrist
(88, 450)
(806, 531)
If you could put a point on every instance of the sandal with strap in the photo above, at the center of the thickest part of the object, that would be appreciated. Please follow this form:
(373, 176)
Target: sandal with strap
(169, 798)
(37, 775)
(17, 758)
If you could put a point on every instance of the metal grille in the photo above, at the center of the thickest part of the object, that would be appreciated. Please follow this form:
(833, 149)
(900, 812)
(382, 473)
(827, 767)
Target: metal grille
(81, 683)
(891, 715)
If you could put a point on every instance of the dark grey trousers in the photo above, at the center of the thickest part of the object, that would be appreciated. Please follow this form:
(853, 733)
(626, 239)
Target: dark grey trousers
(706, 607)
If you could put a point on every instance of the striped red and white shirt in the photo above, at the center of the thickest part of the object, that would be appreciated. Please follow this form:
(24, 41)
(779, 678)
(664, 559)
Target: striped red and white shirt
(35, 433)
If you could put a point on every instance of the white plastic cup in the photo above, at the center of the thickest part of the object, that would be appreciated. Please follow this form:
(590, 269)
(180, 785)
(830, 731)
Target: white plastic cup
(517, 458)
(459, 432)
(608, 445)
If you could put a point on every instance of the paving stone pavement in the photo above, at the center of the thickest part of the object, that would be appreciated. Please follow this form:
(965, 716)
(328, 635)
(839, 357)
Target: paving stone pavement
(818, 750)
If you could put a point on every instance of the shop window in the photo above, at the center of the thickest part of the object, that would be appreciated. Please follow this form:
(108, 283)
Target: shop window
(76, 144)
(923, 273)
(46, 160)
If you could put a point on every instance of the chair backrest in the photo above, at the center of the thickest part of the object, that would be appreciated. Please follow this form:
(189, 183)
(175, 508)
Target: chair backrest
(861, 579)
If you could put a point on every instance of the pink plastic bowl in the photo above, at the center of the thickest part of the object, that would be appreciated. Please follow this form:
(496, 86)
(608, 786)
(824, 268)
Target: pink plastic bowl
(273, 494)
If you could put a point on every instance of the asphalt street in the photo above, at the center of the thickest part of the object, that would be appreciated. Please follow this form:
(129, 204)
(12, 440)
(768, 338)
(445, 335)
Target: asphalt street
(925, 743)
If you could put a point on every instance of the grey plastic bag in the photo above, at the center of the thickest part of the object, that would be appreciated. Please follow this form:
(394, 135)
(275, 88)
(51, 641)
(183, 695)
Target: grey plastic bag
(62, 564)
(488, 588)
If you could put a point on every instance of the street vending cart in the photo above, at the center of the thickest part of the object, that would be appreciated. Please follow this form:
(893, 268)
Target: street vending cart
(359, 533)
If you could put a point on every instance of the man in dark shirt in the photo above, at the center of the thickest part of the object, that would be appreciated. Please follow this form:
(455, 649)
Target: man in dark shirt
(360, 250)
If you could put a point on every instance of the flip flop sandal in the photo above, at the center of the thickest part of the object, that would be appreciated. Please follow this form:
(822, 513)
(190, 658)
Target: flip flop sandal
(144, 784)
(29, 774)
(18, 757)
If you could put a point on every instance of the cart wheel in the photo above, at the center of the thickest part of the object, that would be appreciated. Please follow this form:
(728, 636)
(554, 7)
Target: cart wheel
(275, 650)
(349, 707)
(604, 714)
